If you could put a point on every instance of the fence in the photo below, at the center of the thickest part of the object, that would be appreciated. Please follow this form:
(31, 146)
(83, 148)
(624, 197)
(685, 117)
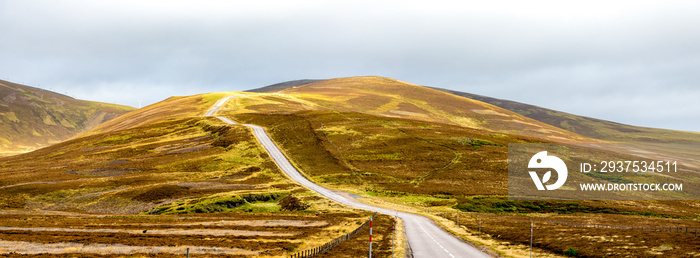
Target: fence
(327, 246)
(672, 229)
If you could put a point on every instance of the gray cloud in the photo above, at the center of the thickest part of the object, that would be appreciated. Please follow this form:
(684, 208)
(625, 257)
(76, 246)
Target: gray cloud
(633, 62)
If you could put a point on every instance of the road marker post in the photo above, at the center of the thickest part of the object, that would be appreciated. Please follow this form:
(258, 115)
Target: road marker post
(370, 237)
(479, 228)
(532, 224)
(393, 237)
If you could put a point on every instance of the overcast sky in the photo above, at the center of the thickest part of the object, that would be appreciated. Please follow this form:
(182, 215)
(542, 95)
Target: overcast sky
(634, 62)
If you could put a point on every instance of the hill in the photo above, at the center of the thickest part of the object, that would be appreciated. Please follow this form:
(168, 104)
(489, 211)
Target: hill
(282, 86)
(392, 136)
(385, 140)
(33, 118)
(171, 108)
(586, 126)
(169, 168)
(393, 98)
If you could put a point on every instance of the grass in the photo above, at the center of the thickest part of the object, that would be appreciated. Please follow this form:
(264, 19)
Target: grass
(31, 118)
(389, 154)
(422, 164)
(167, 159)
(278, 232)
(558, 238)
(143, 165)
(382, 233)
(589, 127)
(184, 166)
(263, 202)
(502, 205)
(375, 157)
(389, 97)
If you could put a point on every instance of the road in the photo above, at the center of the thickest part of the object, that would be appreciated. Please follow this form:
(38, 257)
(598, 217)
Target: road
(424, 237)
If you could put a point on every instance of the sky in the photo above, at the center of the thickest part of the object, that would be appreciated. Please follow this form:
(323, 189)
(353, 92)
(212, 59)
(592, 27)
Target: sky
(633, 62)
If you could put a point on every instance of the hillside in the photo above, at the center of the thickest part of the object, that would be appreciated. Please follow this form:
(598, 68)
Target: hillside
(32, 118)
(282, 86)
(171, 108)
(184, 179)
(393, 98)
(586, 126)
(388, 141)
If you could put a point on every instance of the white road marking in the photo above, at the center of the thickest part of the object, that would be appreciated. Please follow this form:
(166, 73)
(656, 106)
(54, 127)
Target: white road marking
(431, 237)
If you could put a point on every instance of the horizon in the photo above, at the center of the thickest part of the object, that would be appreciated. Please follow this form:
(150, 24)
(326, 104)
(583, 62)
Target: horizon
(627, 62)
(245, 90)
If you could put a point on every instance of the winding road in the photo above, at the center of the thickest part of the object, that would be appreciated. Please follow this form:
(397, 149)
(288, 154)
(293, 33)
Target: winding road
(424, 237)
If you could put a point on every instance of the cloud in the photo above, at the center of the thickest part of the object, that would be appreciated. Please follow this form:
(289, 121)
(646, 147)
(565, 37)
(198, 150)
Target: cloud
(642, 55)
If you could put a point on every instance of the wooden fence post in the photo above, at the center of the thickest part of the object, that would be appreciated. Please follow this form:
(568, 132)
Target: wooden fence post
(532, 225)
(479, 228)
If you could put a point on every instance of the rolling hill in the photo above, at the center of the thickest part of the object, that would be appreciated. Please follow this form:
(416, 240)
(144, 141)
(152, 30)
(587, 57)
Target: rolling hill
(385, 140)
(585, 126)
(172, 171)
(393, 98)
(33, 118)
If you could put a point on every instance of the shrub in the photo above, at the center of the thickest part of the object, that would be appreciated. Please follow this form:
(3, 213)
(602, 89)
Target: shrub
(292, 203)
(571, 252)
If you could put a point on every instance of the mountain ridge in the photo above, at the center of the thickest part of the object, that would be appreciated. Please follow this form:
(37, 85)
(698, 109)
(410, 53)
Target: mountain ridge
(586, 126)
(284, 85)
(394, 98)
(33, 118)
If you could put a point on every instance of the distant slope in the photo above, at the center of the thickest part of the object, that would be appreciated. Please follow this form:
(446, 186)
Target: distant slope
(586, 126)
(393, 98)
(31, 118)
(171, 108)
(283, 85)
(144, 161)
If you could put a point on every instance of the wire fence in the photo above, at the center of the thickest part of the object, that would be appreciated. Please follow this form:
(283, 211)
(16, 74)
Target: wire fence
(460, 217)
(327, 246)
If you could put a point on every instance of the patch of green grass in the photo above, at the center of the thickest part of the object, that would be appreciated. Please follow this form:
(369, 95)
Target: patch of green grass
(427, 200)
(57, 154)
(261, 202)
(243, 153)
(259, 207)
(372, 157)
(571, 252)
(476, 143)
(503, 205)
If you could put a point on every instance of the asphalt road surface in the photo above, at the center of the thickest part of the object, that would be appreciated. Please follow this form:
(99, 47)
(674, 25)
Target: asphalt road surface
(424, 237)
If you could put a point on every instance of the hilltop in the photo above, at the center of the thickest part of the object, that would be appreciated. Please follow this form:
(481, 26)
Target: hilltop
(393, 98)
(32, 118)
(587, 127)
